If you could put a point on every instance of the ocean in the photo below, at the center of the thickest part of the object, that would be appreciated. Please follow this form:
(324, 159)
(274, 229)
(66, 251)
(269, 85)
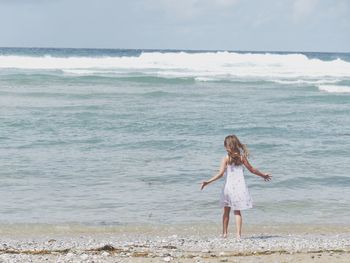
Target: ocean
(125, 137)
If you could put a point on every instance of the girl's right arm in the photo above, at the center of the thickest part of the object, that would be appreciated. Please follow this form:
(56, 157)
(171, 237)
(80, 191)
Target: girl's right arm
(266, 176)
(218, 175)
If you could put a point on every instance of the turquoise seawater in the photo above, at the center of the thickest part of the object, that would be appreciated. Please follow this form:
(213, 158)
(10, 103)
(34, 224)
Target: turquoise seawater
(112, 137)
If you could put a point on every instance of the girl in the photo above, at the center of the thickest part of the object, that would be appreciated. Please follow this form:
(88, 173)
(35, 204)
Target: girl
(235, 193)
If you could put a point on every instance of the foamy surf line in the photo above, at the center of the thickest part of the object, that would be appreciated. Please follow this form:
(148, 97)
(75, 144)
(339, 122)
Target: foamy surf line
(204, 66)
(334, 88)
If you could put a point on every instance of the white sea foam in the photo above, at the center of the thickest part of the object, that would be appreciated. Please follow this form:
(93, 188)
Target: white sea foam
(334, 88)
(82, 72)
(304, 81)
(205, 66)
(204, 79)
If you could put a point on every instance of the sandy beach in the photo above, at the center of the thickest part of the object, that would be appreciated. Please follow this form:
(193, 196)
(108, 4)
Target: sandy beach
(180, 243)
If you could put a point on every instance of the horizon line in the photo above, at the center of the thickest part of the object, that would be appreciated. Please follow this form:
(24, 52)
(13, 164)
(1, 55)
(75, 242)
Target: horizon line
(174, 49)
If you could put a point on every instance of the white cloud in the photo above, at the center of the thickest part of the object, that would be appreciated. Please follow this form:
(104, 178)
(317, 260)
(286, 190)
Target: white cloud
(303, 9)
(224, 3)
(191, 8)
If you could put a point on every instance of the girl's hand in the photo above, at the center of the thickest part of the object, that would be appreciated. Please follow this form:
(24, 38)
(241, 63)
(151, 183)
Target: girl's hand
(204, 184)
(267, 177)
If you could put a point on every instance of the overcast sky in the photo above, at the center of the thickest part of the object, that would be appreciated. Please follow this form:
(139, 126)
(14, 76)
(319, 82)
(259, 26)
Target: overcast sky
(249, 25)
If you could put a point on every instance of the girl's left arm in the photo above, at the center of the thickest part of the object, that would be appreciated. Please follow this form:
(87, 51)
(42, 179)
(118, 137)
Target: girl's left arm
(218, 175)
(266, 176)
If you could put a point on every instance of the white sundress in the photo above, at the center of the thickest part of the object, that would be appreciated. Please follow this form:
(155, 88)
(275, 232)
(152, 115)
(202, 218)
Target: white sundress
(235, 193)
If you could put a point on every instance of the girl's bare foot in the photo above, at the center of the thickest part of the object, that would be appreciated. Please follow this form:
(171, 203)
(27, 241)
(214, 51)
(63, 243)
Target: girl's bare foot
(238, 238)
(224, 235)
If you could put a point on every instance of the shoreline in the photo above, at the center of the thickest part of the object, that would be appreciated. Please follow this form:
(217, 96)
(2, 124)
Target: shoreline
(195, 228)
(180, 243)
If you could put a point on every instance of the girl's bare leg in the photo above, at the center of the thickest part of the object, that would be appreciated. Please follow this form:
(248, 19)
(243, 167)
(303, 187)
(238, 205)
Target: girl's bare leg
(225, 220)
(238, 218)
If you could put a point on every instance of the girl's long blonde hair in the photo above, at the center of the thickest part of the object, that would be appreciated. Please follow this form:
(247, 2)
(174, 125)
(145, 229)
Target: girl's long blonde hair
(235, 149)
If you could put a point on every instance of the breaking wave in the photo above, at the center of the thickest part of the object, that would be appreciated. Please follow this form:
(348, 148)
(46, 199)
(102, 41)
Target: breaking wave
(205, 66)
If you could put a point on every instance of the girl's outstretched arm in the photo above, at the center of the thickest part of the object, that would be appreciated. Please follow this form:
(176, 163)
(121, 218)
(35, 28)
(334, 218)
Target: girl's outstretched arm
(266, 176)
(218, 175)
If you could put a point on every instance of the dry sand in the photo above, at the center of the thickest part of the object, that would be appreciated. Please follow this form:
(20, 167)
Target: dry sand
(181, 243)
